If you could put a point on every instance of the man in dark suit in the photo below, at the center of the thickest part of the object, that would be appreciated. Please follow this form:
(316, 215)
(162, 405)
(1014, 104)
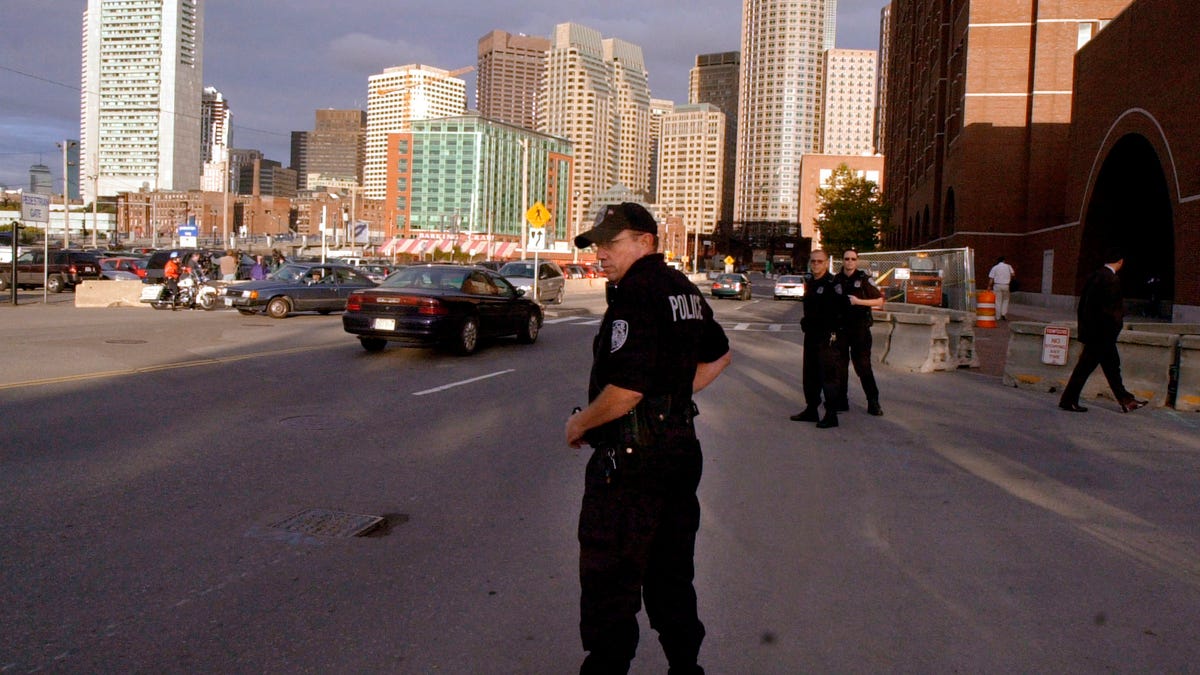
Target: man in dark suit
(1101, 315)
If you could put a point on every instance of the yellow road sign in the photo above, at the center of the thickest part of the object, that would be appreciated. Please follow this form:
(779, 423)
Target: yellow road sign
(538, 215)
(728, 260)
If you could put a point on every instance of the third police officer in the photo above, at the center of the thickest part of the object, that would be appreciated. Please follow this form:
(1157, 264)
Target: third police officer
(856, 346)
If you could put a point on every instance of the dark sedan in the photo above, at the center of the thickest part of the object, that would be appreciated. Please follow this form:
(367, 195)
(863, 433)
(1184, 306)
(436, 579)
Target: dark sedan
(298, 287)
(455, 305)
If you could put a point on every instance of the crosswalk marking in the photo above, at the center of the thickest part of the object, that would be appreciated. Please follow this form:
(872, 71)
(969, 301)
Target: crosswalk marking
(746, 326)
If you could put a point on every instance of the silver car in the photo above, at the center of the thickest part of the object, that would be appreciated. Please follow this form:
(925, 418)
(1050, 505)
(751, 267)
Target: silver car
(550, 279)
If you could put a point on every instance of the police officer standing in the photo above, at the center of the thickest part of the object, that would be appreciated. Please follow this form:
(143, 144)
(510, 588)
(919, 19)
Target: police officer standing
(658, 344)
(825, 307)
(856, 347)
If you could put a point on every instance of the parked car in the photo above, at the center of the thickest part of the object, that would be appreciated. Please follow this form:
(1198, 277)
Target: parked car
(66, 269)
(376, 272)
(158, 260)
(126, 264)
(493, 265)
(731, 286)
(573, 271)
(455, 305)
(108, 270)
(298, 287)
(789, 286)
(550, 279)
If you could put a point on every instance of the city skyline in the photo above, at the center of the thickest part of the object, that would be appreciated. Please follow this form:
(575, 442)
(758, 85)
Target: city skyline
(276, 72)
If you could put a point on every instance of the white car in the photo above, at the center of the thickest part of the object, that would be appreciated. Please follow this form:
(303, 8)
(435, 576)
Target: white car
(789, 286)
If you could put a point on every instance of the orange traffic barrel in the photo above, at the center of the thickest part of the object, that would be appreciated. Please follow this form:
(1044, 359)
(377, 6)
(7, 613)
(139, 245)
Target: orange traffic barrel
(985, 310)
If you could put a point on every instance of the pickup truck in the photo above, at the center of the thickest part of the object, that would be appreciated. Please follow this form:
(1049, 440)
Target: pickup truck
(66, 269)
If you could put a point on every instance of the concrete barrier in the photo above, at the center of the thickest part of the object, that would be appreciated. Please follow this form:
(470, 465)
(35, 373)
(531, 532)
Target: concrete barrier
(109, 294)
(1159, 327)
(881, 336)
(1023, 367)
(918, 343)
(1146, 362)
(1187, 396)
(960, 329)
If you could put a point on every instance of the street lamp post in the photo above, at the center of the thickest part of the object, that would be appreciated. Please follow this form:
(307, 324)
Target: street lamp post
(66, 193)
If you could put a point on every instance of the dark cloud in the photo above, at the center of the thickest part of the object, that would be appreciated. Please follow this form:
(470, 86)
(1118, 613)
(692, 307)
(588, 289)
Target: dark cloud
(279, 60)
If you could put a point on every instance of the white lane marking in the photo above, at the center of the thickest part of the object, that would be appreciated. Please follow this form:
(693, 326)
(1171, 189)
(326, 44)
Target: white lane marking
(560, 319)
(742, 326)
(462, 382)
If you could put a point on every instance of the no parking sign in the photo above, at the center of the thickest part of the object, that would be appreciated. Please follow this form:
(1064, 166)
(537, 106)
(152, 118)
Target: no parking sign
(1056, 343)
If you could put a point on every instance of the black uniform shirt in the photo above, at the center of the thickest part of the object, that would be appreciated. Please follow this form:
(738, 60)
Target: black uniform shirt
(656, 329)
(825, 306)
(859, 285)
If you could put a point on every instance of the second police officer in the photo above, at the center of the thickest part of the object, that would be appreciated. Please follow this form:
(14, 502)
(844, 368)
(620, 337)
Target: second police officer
(856, 346)
(825, 307)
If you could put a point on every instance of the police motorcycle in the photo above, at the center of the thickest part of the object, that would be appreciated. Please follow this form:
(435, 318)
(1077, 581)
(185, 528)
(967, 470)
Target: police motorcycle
(193, 291)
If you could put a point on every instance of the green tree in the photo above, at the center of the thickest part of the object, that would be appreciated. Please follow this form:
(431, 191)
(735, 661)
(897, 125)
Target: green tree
(852, 213)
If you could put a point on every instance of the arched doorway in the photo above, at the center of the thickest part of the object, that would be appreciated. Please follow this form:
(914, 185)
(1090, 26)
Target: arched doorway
(1130, 207)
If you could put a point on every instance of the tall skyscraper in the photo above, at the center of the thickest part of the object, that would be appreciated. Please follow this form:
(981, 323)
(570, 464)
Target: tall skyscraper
(848, 117)
(691, 163)
(659, 108)
(395, 98)
(885, 28)
(216, 137)
(597, 96)
(142, 83)
(333, 151)
(714, 79)
(41, 182)
(509, 74)
(779, 116)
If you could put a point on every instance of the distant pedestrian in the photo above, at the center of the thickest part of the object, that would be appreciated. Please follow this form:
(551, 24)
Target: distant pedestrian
(856, 347)
(825, 307)
(229, 266)
(1101, 315)
(259, 270)
(277, 259)
(1000, 281)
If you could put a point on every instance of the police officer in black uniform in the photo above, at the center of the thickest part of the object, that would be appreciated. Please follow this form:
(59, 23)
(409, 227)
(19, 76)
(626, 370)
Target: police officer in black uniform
(825, 307)
(658, 344)
(856, 347)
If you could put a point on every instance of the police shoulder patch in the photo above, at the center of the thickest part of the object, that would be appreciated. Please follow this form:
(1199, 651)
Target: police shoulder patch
(858, 283)
(620, 332)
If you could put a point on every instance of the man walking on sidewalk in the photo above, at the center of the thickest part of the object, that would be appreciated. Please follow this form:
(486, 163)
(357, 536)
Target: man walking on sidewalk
(1101, 315)
(1000, 281)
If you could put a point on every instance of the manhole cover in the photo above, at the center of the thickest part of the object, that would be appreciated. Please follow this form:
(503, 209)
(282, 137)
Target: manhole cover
(327, 523)
(125, 341)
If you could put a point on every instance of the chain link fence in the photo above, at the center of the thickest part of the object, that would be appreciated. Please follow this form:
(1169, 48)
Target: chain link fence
(937, 277)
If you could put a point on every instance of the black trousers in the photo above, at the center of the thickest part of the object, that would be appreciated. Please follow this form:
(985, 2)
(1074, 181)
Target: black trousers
(820, 372)
(1105, 355)
(637, 539)
(856, 349)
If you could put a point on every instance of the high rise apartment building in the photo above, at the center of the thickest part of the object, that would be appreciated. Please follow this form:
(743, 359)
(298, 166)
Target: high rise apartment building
(881, 88)
(334, 151)
(142, 84)
(597, 96)
(395, 98)
(714, 79)
(779, 113)
(848, 115)
(508, 76)
(216, 137)
(691, 161)
(659, 108)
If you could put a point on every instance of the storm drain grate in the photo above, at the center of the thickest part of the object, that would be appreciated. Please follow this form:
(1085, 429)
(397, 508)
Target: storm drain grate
(328, 523)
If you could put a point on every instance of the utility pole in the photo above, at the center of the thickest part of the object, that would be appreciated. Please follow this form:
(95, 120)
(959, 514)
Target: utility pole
(66, 193)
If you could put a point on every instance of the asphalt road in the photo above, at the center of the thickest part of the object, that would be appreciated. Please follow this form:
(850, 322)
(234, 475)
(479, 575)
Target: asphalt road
(148, 457)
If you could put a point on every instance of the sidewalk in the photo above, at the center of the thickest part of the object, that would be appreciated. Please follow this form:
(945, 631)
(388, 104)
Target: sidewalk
(991, 344)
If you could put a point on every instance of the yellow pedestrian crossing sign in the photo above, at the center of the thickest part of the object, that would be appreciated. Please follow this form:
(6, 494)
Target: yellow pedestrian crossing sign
(538, 215)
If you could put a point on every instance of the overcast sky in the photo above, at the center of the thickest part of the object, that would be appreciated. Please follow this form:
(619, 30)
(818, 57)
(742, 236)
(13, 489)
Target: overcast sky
(277, 61)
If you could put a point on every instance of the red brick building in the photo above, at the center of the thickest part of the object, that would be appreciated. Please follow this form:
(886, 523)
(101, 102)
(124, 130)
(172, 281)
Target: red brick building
(1025, 130)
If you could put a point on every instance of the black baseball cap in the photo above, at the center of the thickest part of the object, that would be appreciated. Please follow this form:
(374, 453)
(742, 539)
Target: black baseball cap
(614, 219)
